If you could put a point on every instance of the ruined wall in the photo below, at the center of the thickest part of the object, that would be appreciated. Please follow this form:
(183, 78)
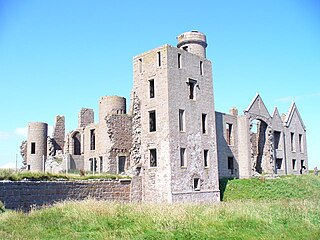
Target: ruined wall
(85, 117)
(26, 194)
(59, 132)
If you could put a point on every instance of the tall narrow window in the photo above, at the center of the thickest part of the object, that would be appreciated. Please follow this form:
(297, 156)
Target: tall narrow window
(229, 133)
(302, 166)
(231, 164)
(153, 157)
(92, 139)
(151, 88)
(101, 164)
(140, 65)
(159, 59)
(196, 184)
(205, 157)
(179, 60)
(93, 165)
(294, 166)
(201, 68)
(152, 121)
(277, 136)
(192, 85)
(181, 120)
(293, 147)
(33, 148)
(76, 143)
(182, 157)
(300, 144)
(121, 164)
(204, 123)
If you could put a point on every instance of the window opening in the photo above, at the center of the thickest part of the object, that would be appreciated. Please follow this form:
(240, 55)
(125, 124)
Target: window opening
(121, 164)
(182, 157)
(93, 165)
(151, 88)
(192, 84)
(159, 59)
(204, 123)
(279, 163)
(33, 148)
(300, 143)
(205, 157)
(179, 60)
(153, 157)
(181, 120)
(293, 147)
(185, 48)
(92, 139)
(152, 121)
(277, 136)
(140, 65)
(201, 68)
(196, 184)
(294, 164)
(229, 133)
(77, 144)
(101, 164)
(231, 164)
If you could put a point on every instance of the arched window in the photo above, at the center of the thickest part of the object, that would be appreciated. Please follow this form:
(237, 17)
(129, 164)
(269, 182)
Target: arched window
(76, 143)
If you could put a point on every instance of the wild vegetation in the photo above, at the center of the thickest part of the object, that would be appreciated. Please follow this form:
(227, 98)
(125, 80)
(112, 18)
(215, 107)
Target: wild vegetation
(294, 214)
(8, 174)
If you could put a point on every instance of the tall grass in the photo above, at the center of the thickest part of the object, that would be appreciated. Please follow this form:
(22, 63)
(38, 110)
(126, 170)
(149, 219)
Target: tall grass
(91, 219)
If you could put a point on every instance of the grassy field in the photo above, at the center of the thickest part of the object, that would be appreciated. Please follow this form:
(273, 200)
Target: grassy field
(291, 215)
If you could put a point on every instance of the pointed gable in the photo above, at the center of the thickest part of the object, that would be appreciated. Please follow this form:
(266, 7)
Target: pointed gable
(292, 114)
(276, 119)
(257, 107)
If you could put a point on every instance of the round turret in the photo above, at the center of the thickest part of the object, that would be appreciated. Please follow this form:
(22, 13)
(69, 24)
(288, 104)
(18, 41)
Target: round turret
(37, 145)
(194, 42)
(111, 105)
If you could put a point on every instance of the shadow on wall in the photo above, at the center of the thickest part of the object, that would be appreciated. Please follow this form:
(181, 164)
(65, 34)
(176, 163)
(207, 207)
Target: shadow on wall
(223, 182)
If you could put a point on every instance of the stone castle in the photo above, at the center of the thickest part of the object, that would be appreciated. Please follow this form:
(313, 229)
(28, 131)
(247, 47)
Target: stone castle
(171, 141)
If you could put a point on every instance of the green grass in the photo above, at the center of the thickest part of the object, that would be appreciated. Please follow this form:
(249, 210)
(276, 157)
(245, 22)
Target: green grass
(292, 213)
(7, 174)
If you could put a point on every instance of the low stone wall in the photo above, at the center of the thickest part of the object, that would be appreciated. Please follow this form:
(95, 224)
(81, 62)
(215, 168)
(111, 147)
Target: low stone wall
(27, 194)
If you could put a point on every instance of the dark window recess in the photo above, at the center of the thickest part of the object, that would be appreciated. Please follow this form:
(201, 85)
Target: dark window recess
(231, 164)
(152, 121)
(292, 142)
(294, 164)
(300, 143)
(182, 157)
(93, 164)
(279, 163)
(204, 123)
(185, 48)
(192, 85)
(151, 88)
(33, 148)
(77, 144)
(153, 157)
(302, 164)
(140, 65)
(181, 120)
(121, 164)
(277, 136)
(196, 184)
(229, 133)
(201, 68)
(159, 59)
(92, 139)
(101, 164)
(28, 167)
(205, 157)
(179, 60)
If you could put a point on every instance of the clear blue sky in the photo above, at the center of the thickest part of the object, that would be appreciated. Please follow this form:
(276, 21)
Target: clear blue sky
(57, 56)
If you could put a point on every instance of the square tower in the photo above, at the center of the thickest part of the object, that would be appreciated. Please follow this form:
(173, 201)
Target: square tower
(174, 91)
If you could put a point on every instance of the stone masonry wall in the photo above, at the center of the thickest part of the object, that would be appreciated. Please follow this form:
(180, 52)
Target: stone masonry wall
(26, 194)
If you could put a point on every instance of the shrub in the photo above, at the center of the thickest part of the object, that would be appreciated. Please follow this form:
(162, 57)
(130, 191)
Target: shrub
(2, 207)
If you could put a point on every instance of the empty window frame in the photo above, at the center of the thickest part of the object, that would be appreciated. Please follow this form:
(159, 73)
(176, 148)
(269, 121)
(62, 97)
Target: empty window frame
(159, 58)
(231, 164)
(93, 165)
(182, 157)
(301, 143)
(151, 88)
(201, 68)
(277, 137)
(153, 157)
(229, 135)
(33, 148)
(140, 65)
(292, 142)
(179, 60)
(204, 123)
(152, 121)
(279, 163)
(92, 139)
(294, 165)
(192, 85)
(205, 157)
(121, 164)
(76, 143)
(302, 165)
(181, 120)
(101, 164)
(196, 184)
